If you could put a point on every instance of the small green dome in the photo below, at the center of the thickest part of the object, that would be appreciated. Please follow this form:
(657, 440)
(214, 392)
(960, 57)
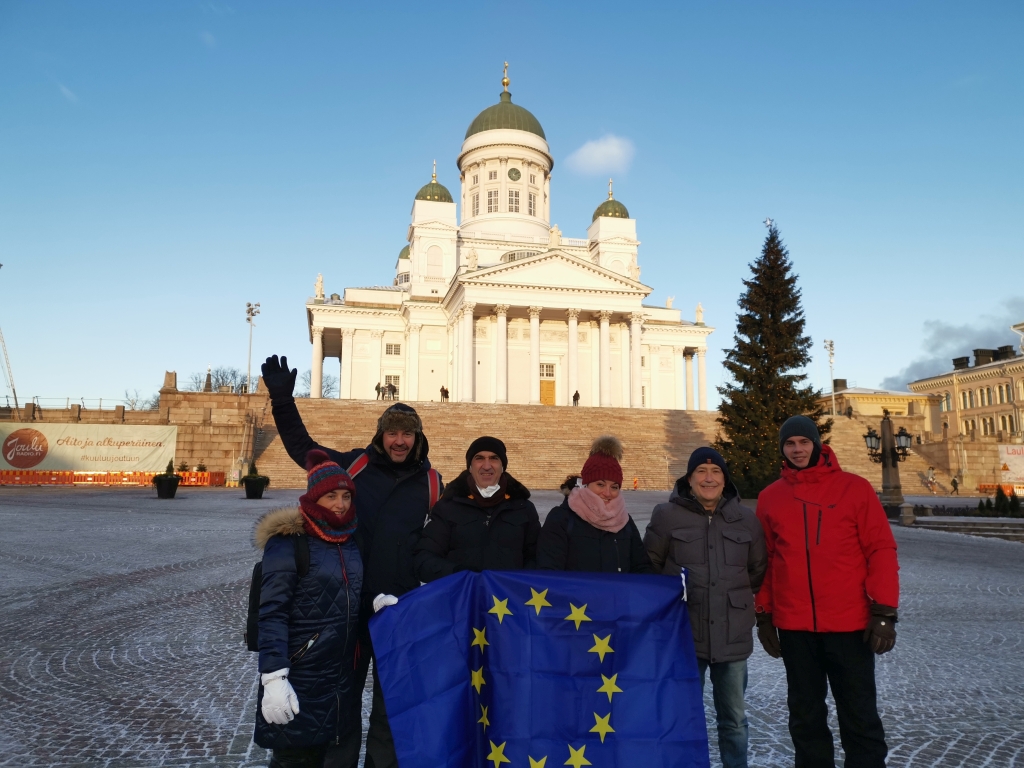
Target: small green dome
(505, 114)
(436, 192)
(404, 253)
(611, 208)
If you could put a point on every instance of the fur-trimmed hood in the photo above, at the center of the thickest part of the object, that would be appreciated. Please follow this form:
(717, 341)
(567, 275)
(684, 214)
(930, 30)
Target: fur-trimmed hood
(463, 485)
(278, 522)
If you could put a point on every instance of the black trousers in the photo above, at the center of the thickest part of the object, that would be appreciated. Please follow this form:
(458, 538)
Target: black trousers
(380, 747)
(297, 757)
(814, 662)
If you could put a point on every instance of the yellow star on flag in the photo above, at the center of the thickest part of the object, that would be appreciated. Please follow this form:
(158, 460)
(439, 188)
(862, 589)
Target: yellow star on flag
(609, 686)
(479, 638)
(601, 725)
(579, 616)
(538, 763)
(478, 679)
(483, 718)
(498, 754)
(500, 608)
(601, 646)
(538, 601)
(576, 757)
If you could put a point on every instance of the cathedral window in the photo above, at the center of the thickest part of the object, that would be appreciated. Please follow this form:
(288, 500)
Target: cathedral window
(492, 201)
(396, 380)
(533, 179)
(476, 179)
(547, 370)
(392, 349)
(492, 175)
(476, 204)
(513, 201)
(532, 204)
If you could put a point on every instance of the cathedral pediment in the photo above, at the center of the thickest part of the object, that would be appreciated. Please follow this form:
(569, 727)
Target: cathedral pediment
(556, 270)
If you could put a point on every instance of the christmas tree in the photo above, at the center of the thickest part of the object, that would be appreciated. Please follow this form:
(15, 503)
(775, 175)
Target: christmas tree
(766, 387)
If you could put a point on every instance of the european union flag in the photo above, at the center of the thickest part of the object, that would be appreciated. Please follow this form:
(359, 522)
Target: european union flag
(542, 669)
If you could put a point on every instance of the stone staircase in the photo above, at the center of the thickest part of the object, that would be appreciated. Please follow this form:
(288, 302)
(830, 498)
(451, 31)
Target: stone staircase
(1000, 528)
(847, 439)
(544, 443)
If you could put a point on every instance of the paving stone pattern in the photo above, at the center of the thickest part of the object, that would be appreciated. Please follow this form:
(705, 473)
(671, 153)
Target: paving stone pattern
(121, 619)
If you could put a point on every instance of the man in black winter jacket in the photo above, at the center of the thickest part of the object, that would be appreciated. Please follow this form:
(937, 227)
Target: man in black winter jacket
(393, 478)
(484, 520)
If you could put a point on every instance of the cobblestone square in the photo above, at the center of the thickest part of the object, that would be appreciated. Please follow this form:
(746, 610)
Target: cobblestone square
(121, 623)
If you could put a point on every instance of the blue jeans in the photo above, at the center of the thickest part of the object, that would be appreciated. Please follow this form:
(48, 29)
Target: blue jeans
(728, 684)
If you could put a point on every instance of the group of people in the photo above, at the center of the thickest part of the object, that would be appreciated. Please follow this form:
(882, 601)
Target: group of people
(444, 394)
(814, 569)
(386, 391)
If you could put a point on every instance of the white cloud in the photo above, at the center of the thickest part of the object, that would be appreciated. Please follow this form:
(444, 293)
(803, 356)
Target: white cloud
(609, 154)
(67, 93)
(208, 39)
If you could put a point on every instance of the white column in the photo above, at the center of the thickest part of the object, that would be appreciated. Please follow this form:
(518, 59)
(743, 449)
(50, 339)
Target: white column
(468, 361)
(606, 359)
(635, 374)
(316, 376)
(655, 363)
(345, 383)
(678, 379)
(535, 355)
(688, 357)
(624, 362)
(376, 340)
(574, 354)
(501, 363)
(547, 199)
(411, 387)
(702, 381)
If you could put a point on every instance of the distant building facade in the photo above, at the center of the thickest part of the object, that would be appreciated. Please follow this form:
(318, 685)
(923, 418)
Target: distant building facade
(498, 307)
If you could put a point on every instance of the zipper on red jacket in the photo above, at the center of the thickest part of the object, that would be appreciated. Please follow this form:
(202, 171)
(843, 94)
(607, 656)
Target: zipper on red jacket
(817, 540)
(810, 581)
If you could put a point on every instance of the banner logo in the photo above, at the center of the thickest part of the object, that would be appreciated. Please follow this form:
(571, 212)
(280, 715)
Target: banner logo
(25, 448)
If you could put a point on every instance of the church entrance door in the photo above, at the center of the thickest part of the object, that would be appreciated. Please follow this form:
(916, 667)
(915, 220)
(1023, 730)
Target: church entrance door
(547, 392)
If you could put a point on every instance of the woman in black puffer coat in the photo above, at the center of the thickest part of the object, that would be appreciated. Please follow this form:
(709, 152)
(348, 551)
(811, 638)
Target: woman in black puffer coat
(591, 530)
(308, 625)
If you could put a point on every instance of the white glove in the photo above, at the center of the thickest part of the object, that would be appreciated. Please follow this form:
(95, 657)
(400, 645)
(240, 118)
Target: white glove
(280, 704)
(382, 600)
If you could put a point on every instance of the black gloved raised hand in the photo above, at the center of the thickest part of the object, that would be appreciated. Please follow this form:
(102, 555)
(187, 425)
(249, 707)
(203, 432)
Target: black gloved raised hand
(279, 381)
(768, 635)
(881, 630)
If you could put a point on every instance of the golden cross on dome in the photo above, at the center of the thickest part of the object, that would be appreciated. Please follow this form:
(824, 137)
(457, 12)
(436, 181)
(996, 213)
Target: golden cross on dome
(610, 190)
(504, 78)
(433, 176)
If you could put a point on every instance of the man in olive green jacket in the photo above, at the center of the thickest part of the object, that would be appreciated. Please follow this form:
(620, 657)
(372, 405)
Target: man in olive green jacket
(705, 529)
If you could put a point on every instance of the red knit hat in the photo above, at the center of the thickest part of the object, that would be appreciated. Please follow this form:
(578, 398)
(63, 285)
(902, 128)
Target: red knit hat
(324, 475)
(603, 464)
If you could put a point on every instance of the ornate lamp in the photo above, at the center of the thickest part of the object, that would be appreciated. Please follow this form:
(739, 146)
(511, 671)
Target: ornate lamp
(873, 442)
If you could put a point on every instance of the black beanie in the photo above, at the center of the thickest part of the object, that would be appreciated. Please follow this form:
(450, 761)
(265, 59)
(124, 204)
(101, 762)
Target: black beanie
(706, 455)
(399, 417)
(490, 444)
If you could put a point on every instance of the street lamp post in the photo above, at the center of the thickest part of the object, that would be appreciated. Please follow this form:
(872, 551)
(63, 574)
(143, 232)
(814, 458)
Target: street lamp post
(889, 450)
(830, 347)
(251, 310)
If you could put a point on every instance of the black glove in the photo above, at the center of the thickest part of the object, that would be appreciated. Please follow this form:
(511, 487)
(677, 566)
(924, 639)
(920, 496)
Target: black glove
(881, 631)
(279, 381)
(768, 635)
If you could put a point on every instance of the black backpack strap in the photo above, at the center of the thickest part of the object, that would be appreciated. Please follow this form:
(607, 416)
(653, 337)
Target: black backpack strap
(302, 554)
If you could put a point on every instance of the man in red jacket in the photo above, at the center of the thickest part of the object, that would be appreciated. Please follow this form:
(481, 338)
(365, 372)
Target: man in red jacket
(829, 598)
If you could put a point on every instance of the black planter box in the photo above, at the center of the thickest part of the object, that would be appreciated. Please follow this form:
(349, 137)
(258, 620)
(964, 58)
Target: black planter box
(254, 487)
(166, 486)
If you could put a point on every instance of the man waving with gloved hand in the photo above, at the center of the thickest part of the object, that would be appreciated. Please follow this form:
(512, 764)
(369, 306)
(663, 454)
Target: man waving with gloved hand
(396, 488)
(829, 597)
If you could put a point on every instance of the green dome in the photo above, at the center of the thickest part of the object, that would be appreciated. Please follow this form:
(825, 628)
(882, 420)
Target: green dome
(611, 208)
(505, 114)
(404, 253)
(436, 192)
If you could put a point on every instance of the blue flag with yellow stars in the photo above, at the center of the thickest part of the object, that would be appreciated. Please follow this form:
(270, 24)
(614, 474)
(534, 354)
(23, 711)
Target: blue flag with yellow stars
(538, 669)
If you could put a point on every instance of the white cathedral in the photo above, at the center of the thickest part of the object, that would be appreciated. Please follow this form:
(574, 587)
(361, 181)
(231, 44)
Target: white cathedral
(500, 307)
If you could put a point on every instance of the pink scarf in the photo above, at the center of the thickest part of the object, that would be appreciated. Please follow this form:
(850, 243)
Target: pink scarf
(592, 508)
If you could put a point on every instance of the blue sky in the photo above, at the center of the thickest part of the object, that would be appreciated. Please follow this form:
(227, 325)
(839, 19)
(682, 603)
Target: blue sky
(163, 163)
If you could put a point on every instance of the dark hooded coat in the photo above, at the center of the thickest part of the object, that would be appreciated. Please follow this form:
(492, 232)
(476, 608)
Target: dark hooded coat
(323, 604)
(569, 543)
(725, 557)
(462, 534)
(393, 501)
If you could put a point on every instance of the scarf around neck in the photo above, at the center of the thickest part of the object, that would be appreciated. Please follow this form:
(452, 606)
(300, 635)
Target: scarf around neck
(326, 525)
(591, 507)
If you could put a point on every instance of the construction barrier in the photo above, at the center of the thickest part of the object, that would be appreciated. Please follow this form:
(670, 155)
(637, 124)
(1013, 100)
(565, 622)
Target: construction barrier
(1008, 488)
(67, 477)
